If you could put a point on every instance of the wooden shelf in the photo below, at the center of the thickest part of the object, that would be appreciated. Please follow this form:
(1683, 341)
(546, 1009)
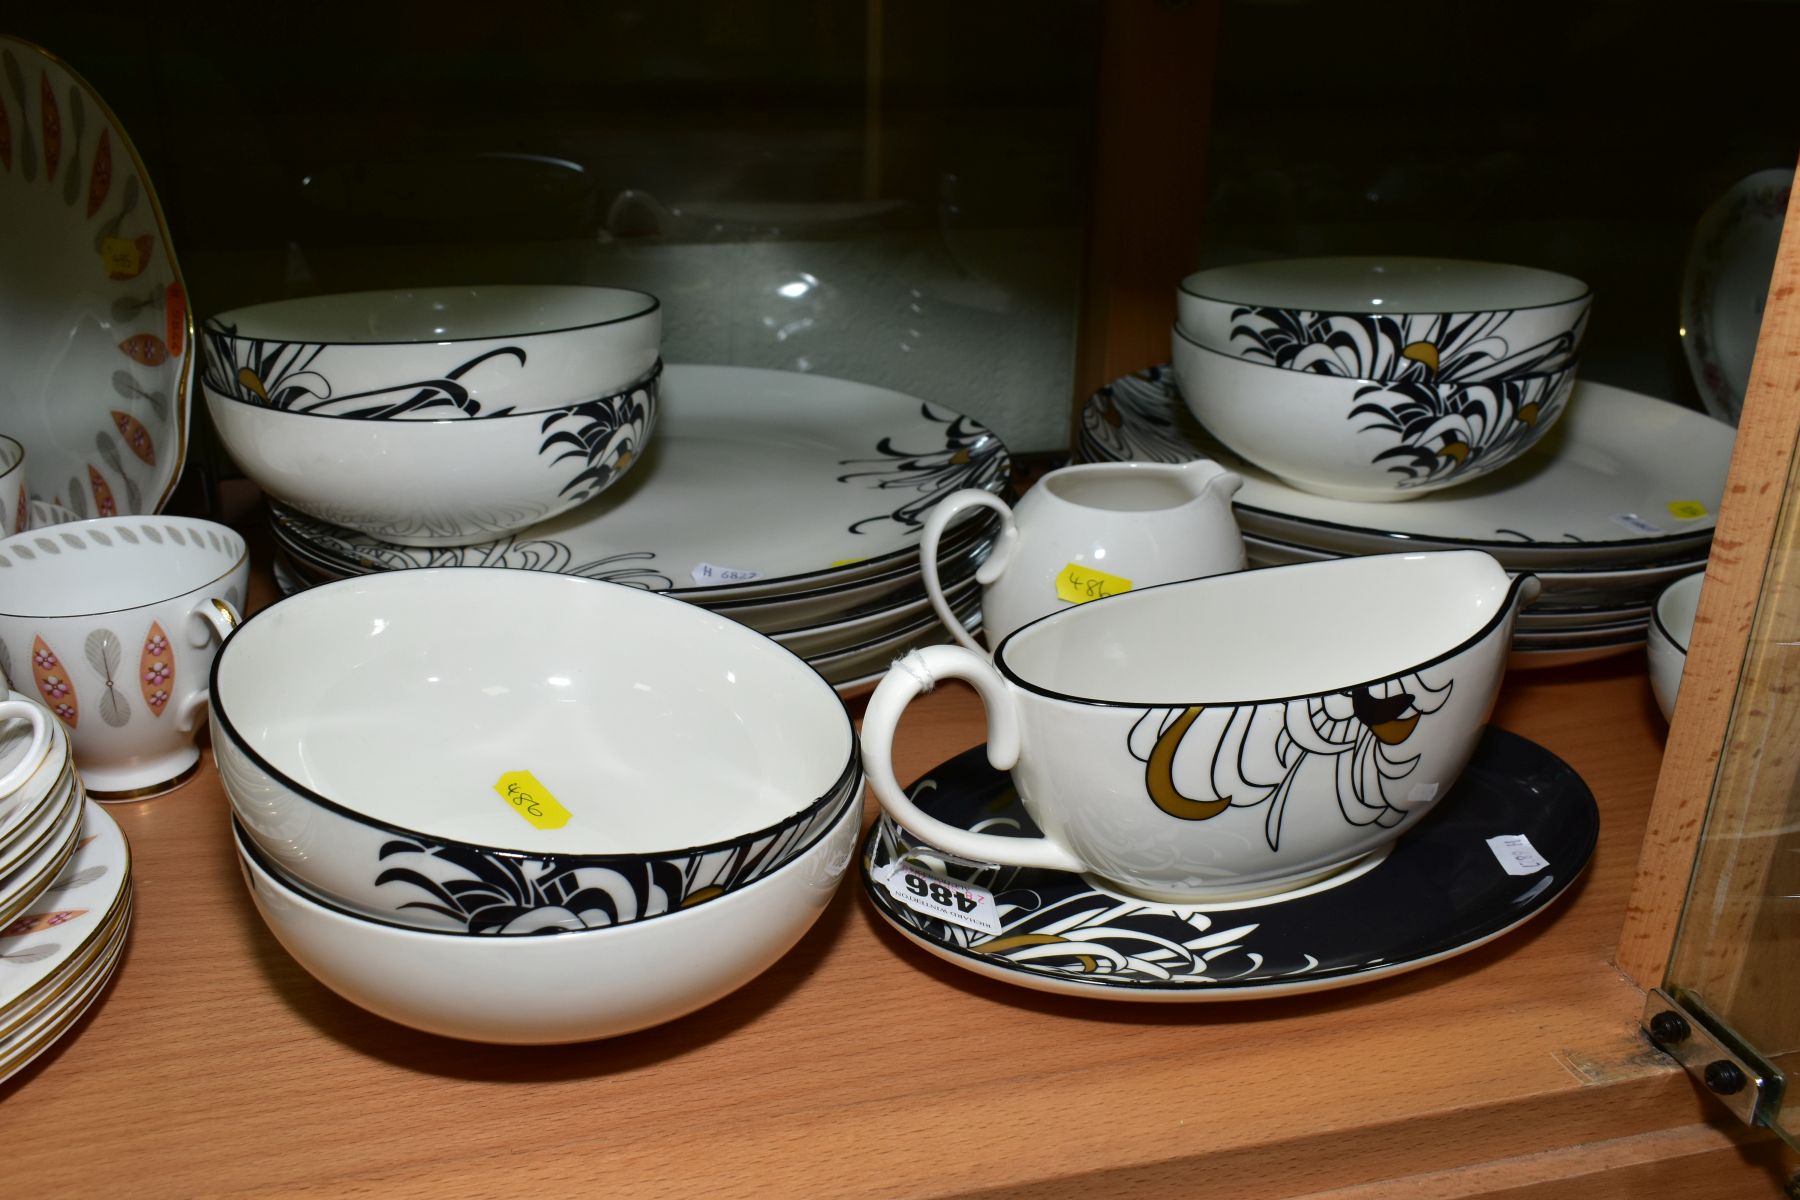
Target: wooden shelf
(860, 1066)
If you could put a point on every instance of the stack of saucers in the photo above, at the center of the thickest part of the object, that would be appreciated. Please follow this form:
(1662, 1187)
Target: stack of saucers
(1615, 503)
(65, 890)
(791, 503)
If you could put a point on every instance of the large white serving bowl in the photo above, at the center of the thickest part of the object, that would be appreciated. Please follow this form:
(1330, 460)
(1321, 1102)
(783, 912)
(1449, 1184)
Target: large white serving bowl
(1435, 320)
(422, 352)
(450, 481)
(573, 987)
(1671, 627)
(1357, 439)
(372, 736)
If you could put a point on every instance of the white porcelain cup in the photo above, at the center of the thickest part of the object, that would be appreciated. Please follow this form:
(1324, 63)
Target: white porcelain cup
(115, 622)
(15, 497)
(1226, 737)
(1086, 532)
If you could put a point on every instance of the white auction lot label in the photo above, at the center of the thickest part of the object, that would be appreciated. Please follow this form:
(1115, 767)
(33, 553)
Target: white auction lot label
(962, 904)
(1516, 854)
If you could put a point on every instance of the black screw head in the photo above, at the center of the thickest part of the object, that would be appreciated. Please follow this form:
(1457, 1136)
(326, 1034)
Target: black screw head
(1724, 1077)
(1668, 1028)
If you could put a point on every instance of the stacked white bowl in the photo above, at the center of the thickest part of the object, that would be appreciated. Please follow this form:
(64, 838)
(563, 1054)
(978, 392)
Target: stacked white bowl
(515, 806)
(437, 416)
(65, 886)
(1378, 378)
(1619, 502)
(790, 502)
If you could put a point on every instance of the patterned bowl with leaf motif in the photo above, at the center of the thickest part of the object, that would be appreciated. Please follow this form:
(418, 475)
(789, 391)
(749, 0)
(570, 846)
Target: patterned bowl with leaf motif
(574, 987)
(1363, 439)
(438, 477)
(425, 353)
(1436, 321)
(493, 752)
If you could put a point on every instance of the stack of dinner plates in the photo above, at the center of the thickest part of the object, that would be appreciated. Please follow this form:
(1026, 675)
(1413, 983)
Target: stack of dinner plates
(791, 503)
(1616, 502)
(65, 894)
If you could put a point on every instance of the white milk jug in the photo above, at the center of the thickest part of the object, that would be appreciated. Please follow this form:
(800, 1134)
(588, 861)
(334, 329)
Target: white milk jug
(1091, 531)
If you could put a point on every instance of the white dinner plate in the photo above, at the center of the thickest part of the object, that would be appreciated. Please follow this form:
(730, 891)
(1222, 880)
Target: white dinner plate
(46, 1018)
(1622, 480)
(1564, 588)
(35, 871)
(790, 612)
(66, 918)
(757, 483)
(96, 343)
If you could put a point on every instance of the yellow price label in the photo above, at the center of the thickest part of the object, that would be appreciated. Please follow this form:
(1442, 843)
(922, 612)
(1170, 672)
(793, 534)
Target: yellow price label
(844, 562)
(120, 256)
(1078, 584)
(1686, 510)
(531, 800)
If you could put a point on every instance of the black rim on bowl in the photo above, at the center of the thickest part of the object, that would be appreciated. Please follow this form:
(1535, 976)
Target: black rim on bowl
(216, 324)
(1581, 293)
(782, 839)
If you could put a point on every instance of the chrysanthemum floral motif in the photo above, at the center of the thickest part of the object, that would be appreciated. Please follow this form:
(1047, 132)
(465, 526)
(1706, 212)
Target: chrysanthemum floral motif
(1202, 760)
(970, 457)
(283, 375)
(1091, 934)
(601, 437)
(1444, 433)
(1419, 348)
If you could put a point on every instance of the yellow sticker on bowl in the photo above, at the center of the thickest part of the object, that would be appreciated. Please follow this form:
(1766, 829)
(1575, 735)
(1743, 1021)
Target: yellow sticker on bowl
(121, 256)
(1078, 584)
(1686, 510)
(531, 800)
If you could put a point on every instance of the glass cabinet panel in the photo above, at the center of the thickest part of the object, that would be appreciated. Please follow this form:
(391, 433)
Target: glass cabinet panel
(1736, 961)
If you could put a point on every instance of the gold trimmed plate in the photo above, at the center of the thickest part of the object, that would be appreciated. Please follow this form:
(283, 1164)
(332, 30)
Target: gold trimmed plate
(96, 340)
(65, 919)
(20, 1048)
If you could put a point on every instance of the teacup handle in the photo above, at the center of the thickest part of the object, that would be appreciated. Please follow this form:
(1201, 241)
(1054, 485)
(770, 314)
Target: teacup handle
(211, 616)
(919, 672)
(935, 523)
(38, 717)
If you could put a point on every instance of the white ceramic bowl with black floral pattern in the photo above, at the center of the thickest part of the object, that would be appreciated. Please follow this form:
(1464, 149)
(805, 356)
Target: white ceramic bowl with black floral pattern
(1422, 320)
(517, 752)
(574, 987)
(424, 353)
(452, 480)
(1360, 439)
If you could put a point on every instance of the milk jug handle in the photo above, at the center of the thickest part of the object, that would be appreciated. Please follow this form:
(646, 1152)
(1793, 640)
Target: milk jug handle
(936, 522)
